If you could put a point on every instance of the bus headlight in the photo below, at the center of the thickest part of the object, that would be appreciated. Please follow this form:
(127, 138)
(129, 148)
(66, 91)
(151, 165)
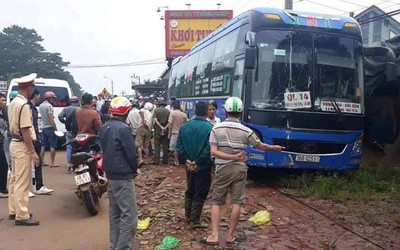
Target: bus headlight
(357, 145)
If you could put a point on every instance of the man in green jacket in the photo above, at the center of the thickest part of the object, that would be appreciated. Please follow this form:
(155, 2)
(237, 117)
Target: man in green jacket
(160, 122)
(194, 150)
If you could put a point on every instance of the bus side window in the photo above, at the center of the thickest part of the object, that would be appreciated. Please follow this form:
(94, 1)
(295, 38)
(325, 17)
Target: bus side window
(180, 80)
(191, 74)
(237, 88)
(203, 68)
(172, 81)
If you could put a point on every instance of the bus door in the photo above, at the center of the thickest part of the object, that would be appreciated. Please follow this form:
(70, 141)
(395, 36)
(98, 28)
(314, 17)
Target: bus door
(256, 157)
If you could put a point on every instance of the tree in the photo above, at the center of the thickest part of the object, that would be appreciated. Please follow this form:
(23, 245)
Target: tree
(21, 53)
(148, 82)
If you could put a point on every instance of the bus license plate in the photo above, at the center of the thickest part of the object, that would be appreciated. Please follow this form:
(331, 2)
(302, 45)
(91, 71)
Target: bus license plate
(82, 178)
(307, 158)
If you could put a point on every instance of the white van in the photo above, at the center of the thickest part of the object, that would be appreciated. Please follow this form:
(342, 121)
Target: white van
(62, 90)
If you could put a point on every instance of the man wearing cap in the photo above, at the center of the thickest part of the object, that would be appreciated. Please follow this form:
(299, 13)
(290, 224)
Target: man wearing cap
(160, 122)
(49, 139)
(22, 153)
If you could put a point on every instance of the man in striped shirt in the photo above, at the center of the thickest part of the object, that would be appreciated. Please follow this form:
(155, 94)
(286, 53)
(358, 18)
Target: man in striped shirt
(228, 140)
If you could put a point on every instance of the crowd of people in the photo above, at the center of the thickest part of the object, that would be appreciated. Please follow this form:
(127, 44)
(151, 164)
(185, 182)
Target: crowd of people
(128, 131)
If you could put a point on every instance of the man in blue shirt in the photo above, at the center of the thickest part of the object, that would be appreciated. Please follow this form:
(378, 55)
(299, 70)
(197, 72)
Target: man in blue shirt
(194, 150)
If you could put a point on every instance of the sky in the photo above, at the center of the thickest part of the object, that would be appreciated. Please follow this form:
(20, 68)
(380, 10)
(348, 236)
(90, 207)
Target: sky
(104, 32)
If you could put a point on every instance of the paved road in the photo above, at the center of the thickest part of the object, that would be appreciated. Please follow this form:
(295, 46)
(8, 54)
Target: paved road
(64, 222)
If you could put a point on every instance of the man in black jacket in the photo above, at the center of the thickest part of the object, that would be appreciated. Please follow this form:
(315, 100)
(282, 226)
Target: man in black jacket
(120, 165)
(67, 116)
(40, 187)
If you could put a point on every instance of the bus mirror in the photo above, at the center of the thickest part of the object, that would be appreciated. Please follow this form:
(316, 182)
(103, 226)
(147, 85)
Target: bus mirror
(251, 39)
(391, 71)
(250, 58)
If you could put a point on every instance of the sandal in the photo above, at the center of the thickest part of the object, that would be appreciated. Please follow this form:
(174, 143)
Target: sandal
(230, 242)
(54, 165)
(210, 243)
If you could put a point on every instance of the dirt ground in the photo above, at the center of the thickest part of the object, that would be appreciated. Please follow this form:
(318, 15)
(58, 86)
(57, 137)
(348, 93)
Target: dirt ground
(65, 224)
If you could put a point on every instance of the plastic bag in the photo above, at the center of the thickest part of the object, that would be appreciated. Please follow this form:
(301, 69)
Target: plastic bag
(168, 242)
(143, 224)
(260, 218)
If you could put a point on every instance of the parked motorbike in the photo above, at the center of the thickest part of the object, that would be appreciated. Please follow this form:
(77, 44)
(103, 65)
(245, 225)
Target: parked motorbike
(86, 160)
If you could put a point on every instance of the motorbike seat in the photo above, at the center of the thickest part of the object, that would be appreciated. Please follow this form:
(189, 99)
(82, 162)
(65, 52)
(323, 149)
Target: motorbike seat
(80, 157)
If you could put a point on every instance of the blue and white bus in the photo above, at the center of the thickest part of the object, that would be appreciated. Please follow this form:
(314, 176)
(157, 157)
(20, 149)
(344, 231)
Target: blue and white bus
(300, 76)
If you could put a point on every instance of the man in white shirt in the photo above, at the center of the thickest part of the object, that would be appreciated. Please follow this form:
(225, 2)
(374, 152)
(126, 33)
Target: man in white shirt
(134, 119)
(49, 139)
(169, 106)
(176, 119)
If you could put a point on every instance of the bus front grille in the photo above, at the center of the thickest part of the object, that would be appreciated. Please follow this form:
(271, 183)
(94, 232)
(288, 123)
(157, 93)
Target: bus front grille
(310, 147)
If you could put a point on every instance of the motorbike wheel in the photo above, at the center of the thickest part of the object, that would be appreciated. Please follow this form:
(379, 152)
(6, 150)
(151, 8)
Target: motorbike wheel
(91, 201)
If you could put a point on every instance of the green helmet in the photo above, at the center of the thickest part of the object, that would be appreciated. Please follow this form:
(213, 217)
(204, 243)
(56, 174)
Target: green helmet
(13, 94)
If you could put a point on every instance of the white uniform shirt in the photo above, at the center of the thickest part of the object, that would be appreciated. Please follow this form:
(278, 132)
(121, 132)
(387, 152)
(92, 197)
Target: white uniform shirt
(134, 120)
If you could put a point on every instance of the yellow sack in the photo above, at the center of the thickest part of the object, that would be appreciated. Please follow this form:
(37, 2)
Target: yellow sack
(260, 218)
(143, 224)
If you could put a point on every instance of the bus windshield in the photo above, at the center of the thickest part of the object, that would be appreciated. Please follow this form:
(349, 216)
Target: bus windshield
(308, 71)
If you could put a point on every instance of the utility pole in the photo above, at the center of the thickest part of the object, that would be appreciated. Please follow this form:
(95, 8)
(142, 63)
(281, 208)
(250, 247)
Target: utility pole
(135, 77)
(288, 4)
(112, 85)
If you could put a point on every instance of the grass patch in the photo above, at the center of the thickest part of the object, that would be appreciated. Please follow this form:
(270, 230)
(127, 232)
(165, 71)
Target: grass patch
(366, 184)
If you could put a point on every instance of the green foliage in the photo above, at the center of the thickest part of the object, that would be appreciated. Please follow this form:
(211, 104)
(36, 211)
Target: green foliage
(148, 82)
(366, 184)
(21, 53)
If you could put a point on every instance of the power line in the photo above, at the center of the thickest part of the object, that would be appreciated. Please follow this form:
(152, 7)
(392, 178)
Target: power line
(110, 66)
(353, 3)
(379, 17)
(153, 72)
(383, 2)
(323, 5)
(138, 63)
(244, 5)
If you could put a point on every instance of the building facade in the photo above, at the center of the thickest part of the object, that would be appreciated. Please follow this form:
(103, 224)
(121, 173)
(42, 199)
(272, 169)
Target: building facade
(377, 25)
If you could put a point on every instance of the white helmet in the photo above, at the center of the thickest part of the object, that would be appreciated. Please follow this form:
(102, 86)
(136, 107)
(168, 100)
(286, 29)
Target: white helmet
(149, 106)
(233, 104)
(120, 106)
